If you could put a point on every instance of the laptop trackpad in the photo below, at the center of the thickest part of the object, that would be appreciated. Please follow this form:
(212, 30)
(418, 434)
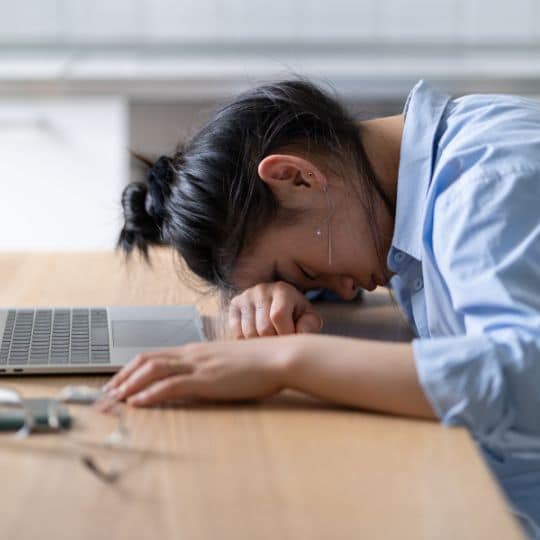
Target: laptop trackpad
(154, 333)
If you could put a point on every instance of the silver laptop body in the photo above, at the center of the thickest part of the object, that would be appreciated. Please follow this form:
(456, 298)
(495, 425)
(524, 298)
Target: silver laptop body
(90, 340)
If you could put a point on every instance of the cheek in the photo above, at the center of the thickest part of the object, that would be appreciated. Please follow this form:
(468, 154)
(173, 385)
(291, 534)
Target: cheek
(359, 245)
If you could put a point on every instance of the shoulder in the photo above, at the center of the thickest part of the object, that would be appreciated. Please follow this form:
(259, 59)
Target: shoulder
(487, 217)
(489, 117)
(485, 188)
(484, 135)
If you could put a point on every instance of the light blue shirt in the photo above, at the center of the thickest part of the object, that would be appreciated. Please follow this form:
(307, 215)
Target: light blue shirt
(466, 253)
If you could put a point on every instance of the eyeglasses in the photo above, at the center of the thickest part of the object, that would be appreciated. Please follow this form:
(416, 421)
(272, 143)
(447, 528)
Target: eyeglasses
(50, 415)
(30, 415)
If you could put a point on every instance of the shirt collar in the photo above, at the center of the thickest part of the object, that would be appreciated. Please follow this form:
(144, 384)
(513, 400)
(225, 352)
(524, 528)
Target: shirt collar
(423, 111)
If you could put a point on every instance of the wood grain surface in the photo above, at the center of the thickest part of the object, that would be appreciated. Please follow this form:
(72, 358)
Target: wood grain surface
(287, 468)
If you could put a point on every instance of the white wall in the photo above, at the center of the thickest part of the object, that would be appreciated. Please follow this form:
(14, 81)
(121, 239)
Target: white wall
(63, 166)
(378, 21)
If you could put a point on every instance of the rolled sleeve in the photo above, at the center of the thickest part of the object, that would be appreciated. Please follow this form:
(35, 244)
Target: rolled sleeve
(488, 383)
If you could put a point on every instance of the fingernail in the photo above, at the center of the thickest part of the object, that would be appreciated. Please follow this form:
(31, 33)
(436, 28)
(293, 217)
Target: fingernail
(306, 328)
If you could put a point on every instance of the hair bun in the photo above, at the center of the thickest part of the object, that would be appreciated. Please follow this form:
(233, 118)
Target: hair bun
(144, 206)
(159, 179)
(140, 229)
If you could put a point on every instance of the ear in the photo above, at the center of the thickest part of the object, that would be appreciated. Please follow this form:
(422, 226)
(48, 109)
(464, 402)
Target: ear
(279, 169)
(291, 176)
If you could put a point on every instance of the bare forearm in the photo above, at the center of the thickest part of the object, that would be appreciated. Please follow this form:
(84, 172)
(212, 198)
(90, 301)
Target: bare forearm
(372, 375)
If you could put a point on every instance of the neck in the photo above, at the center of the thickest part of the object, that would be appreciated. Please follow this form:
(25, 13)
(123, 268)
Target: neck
(381, 138)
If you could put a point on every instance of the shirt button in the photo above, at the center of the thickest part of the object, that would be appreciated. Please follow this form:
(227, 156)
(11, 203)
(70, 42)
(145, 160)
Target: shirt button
(418, 283)
(399, 256)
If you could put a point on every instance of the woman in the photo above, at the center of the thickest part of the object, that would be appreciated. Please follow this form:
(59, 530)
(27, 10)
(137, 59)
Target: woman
(282, 192)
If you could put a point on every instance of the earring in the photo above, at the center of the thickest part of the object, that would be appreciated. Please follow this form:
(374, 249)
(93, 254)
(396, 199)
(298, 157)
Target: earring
(318, 232)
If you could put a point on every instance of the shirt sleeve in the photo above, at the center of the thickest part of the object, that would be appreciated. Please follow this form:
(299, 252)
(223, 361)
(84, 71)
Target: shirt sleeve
(485, 241)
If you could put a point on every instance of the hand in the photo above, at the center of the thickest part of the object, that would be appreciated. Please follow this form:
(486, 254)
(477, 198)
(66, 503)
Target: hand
(365, 374)
(213, 370)
(270, 309)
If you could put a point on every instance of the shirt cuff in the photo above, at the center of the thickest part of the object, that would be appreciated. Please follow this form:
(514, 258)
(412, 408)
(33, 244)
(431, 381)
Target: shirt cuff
(463, 380)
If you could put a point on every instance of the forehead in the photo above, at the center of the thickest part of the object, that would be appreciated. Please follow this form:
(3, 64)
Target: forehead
(253, 267)
(256, 263)
(277, 245)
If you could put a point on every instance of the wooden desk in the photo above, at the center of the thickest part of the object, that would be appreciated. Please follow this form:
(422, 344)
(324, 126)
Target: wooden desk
(289, 468)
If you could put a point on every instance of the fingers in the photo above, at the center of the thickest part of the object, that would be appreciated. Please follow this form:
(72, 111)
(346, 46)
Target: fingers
(265, 310)
(126, 371)
(269, 309)
(171, 388)
(309, 322)
(281, 311)
(235, 322)
(135, 364)
(247, 319)
(242, 321)
(152, 370)
(263, 323)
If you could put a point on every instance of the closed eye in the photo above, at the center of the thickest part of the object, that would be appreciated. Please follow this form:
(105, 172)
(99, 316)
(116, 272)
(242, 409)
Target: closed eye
(306, 274)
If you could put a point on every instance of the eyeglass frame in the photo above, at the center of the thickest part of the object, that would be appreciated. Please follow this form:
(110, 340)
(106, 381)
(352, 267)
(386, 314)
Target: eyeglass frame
(115, 440)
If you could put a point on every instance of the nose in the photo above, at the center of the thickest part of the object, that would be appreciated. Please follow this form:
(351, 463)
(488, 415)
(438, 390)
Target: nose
(344, 287)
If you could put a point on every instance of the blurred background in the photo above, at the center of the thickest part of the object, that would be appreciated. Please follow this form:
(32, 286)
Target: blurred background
(84, 81)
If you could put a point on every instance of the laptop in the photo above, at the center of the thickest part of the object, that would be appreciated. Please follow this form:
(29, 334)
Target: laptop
(90, 340)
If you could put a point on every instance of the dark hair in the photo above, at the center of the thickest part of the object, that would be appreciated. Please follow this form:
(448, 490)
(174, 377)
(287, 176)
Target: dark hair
(207, 200)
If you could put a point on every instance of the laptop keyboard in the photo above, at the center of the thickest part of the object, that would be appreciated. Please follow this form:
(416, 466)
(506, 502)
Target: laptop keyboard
(56, 336)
